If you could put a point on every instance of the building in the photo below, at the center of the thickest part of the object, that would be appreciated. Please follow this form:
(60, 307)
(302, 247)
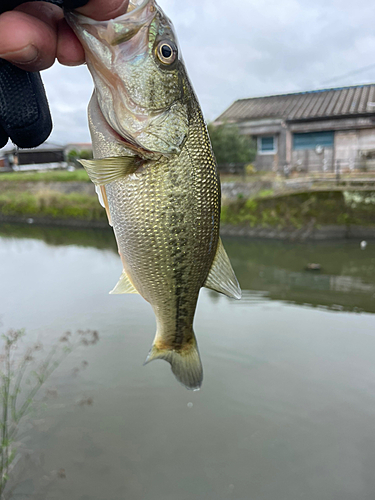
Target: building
(78, 146)
(47, 155)
(322, 130)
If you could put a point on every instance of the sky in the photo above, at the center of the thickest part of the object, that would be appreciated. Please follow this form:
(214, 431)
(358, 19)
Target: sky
(243, 48)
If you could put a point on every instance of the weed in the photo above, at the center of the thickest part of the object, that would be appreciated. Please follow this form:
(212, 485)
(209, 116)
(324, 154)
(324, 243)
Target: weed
(78, 175)
(20, 381)
(51, 204)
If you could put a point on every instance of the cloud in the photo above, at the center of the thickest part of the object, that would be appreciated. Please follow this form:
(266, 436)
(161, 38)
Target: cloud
(68, 91)
(243, 48)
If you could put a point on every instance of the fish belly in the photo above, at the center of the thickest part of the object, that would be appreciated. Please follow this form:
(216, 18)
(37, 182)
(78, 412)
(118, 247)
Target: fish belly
(166, 220)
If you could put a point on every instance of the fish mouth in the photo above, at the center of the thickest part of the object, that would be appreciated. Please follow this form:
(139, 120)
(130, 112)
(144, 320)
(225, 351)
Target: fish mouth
(110, 47)
(134, 13)
(111, 34)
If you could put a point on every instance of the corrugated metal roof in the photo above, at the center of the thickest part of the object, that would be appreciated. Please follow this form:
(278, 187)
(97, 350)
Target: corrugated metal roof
(344, 101)
(46, 146)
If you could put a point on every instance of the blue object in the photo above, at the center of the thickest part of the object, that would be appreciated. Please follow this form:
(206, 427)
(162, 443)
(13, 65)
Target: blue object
(267, 144)
(311, 140)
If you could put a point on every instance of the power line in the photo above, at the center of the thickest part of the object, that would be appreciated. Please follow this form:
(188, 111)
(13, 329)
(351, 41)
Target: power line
(354, 72)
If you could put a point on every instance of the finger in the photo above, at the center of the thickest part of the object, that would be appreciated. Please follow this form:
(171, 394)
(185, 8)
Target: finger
(102, 10)
(69, 49)
(29, 35)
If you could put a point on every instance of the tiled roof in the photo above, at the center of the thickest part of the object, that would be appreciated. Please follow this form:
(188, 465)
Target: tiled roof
(348, 101)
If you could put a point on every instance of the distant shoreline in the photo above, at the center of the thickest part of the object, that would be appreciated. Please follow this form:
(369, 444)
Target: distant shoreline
(306, 233)
(254, 210)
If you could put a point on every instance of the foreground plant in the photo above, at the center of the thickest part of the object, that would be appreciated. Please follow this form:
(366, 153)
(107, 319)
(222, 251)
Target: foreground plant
(21, 378)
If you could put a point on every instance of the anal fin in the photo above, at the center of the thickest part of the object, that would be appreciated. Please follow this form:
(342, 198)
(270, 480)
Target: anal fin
(124, 285)
(221, 277)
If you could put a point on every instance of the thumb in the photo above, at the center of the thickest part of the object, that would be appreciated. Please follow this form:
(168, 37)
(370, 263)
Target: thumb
(102, 10)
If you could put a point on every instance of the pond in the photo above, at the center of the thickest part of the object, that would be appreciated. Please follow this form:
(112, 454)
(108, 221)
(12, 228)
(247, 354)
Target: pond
(287, 406)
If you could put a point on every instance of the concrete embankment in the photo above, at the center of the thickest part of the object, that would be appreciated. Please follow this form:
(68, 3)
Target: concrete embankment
(327, 232)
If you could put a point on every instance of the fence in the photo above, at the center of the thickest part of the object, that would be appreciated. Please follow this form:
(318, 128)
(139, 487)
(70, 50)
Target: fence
(337, 167)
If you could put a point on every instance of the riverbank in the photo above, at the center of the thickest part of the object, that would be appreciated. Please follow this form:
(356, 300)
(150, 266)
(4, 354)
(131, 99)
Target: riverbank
(308, 233)
(69, 199)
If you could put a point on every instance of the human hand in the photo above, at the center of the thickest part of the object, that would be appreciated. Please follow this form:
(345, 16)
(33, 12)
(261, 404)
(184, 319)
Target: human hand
(32, 37)
(35, 34)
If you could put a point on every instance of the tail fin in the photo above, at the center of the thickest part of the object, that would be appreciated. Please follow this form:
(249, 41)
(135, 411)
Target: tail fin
(185, 363)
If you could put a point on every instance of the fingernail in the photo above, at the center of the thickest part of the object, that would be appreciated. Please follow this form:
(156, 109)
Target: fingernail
(26, 55)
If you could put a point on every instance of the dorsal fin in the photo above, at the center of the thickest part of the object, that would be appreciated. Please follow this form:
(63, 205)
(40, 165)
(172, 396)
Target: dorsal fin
(124, 285)
(221, 277)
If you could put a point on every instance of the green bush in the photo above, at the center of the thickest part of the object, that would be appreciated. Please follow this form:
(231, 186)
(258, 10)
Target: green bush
(85, 154)
(51, 204)
(230, 146)
(48, 176)
(297, 210)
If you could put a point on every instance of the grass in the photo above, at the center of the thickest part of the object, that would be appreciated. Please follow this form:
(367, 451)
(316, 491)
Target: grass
(79, 175)
(21, 379)
(266, 210)
(51, 204)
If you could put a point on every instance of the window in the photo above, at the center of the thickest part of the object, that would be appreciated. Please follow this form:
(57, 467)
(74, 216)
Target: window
(266, 144)
(311, 140)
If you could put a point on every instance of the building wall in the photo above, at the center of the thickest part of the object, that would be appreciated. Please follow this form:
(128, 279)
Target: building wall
(308, 160)
(352, 146)
(366, 139)
(346, 148)
(354, 138)
(28, 157)
(268, 161)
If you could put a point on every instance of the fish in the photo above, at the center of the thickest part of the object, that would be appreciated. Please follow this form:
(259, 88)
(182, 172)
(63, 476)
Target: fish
(156, 175)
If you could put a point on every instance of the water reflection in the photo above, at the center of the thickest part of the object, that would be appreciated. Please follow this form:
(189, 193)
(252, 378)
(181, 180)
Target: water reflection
(346, 280)
(270, 270)
(287, 404)
(61, 236)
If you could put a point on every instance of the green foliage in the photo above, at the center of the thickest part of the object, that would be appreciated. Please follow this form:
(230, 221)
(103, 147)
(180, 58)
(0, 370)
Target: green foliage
(72, 155)
(49, 176)
(85, 154)
(297, 210)
(265, 193)
(51, 204)
(250, 169)
(229, 146)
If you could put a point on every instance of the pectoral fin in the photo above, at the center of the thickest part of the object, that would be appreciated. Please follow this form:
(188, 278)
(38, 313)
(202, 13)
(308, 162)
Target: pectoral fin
(221, 277)
(107, 170)
(124, 285)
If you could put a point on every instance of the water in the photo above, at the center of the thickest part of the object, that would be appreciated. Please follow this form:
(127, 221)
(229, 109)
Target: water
(286, 410)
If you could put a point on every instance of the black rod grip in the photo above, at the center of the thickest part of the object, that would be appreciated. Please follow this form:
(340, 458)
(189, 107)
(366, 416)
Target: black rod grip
(24, 113)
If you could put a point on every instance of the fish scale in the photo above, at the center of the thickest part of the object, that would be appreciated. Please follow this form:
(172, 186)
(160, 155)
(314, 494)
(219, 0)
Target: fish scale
(155, 170)
(177, 203)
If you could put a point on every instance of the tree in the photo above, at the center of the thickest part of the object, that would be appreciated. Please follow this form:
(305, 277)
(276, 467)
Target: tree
(85, 154)
(72, 155)
(230, 146)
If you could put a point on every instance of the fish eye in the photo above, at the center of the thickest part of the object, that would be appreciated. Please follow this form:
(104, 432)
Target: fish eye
(166, 52)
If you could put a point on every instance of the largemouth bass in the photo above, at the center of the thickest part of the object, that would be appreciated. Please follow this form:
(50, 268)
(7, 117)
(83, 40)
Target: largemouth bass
(156, 175)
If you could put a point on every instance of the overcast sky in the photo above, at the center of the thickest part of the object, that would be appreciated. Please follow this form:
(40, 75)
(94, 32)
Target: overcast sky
(244, 48)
